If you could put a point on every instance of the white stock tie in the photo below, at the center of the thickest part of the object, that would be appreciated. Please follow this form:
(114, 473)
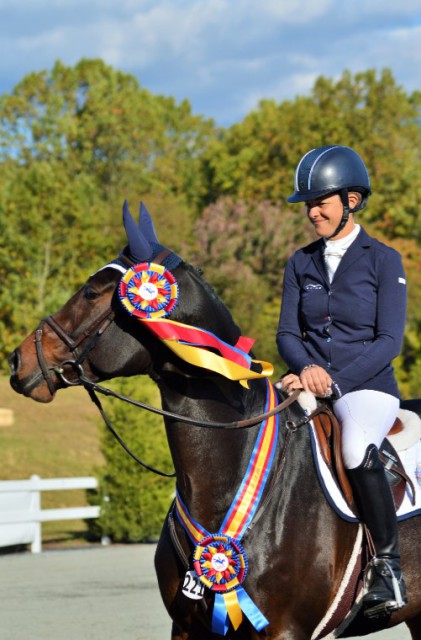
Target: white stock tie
(336, 249)
(332, 258)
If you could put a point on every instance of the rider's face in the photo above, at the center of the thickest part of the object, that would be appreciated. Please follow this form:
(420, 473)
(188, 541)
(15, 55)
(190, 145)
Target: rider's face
(325, 214)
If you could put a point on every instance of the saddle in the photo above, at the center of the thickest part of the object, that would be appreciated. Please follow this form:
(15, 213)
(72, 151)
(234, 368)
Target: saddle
(328, 433)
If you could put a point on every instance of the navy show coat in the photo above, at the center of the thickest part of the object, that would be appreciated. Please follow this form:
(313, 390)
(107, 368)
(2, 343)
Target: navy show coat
(352, 327)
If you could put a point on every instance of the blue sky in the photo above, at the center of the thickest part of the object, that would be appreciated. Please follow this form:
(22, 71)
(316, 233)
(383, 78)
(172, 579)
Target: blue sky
(222, 55)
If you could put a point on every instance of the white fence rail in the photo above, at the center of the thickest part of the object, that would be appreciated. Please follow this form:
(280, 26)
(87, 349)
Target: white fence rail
(21, 514)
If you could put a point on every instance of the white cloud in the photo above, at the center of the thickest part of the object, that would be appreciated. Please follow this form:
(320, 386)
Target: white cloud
(222, 55)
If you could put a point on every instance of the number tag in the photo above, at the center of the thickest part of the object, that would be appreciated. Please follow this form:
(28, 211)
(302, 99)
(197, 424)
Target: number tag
(192, 587)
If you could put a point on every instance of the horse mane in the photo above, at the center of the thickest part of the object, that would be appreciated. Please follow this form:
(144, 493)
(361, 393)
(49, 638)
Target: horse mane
(221, 319)
(200, 272)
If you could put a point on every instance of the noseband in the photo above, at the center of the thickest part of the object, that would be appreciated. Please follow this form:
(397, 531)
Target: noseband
(94, 332)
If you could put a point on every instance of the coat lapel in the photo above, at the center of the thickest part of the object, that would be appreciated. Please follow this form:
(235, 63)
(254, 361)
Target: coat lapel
(354, 253)
(318, 260)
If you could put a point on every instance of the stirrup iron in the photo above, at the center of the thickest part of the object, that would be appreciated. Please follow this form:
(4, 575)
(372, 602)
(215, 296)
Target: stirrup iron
(393, 603)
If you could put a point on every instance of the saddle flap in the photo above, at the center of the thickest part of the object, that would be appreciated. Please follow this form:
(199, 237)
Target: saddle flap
(328, 433)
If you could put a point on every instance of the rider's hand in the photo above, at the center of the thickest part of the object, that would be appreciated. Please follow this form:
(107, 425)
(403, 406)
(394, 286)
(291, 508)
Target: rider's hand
(317, 380)
(290, 382)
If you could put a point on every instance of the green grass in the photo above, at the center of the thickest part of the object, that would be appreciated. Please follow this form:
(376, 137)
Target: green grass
(55, 440)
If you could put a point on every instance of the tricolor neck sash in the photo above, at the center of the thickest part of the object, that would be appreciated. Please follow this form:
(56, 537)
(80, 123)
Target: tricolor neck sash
(219, 559)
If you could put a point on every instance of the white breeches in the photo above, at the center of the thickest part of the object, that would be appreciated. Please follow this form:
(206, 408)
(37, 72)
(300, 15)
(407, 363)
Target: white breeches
(365, 417)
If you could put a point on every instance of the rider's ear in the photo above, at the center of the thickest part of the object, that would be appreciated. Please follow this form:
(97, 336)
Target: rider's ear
(354, 199)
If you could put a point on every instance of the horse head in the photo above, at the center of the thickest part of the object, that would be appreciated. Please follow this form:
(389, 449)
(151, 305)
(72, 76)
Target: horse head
(93, 332)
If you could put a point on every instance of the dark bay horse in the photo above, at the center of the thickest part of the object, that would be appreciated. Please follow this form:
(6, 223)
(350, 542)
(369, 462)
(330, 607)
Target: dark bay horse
(298, 549)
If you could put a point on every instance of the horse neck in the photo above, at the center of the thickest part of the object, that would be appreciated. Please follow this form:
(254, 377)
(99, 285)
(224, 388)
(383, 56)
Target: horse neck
(210, 463)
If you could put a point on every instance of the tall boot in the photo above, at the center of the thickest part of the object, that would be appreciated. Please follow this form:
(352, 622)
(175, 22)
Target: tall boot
(384, 584)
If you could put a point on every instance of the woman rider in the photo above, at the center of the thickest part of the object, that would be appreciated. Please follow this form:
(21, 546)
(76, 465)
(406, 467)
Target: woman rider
(341, 324)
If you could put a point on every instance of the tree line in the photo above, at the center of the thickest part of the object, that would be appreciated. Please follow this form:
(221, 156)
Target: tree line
(75, 142)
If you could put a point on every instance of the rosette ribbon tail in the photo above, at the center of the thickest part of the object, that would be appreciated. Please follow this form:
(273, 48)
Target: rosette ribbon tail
(252, 611)
(193, 346)
(231, 606)
(220, 616)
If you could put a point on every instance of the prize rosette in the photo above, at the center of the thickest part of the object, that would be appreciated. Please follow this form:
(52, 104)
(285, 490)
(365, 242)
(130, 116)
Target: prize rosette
(220, 562)
(148, 290)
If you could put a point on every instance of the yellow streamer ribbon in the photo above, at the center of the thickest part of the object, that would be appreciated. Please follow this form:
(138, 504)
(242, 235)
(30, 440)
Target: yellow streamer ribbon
(211, 361)
(233, 608)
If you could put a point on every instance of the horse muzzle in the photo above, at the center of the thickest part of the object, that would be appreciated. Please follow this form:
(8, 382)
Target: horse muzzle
(14, 362)
(31, 385)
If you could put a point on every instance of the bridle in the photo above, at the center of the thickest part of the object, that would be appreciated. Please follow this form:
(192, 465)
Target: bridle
(92, 334)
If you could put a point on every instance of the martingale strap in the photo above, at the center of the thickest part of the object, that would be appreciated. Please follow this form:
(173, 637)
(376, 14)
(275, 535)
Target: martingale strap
(219, 559)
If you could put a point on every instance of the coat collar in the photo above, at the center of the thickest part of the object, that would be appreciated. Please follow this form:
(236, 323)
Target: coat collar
(355, 251)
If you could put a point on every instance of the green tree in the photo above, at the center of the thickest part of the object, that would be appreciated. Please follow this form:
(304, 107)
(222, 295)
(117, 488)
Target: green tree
(133, 501)
(256, 158)
(75, 142)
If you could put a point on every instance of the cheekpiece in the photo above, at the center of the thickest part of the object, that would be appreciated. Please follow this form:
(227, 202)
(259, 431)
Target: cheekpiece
(220, 562)
(148, 290)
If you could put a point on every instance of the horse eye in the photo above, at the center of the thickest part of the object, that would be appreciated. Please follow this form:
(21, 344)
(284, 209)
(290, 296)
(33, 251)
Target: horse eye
(90, 294)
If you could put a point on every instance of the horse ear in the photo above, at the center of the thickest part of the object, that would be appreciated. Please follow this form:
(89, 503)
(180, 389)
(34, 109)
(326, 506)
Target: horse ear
(139, 246)
(146, 225)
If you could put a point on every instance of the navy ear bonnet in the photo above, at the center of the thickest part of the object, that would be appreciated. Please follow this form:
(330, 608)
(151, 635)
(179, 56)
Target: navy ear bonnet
(143, 242)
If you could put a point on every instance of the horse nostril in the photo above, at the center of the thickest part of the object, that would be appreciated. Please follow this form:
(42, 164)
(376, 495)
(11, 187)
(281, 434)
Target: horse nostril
(14, 361)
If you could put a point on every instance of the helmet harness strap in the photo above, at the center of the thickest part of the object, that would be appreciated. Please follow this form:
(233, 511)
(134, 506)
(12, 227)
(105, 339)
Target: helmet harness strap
(343, 194)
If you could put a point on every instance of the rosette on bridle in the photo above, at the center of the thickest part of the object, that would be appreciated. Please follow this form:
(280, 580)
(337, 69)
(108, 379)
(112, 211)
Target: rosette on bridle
(149, 291)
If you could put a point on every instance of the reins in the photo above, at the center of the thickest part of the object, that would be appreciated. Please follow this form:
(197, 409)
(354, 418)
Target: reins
(91, 387)
(120, 440)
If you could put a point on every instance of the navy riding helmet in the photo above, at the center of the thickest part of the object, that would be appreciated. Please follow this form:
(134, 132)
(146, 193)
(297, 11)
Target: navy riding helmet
(331, 169)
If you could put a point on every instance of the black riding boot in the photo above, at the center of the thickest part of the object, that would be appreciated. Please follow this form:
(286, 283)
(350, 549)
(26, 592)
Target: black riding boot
(385, 587)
